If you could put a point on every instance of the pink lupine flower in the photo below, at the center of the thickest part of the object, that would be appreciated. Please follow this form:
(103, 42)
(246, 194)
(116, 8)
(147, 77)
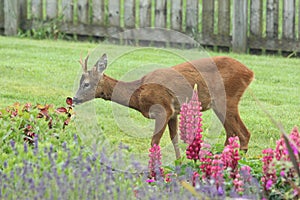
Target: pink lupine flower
(205, 158)
(238, 183)
(192, 152)
(195, 177)
(150, 180)
(269, 170)
(190, 119)
(205, 150)
(230, 156)
(246, 172)
(206, 167)
(217, 168)
(168, 178)
(295, 137)
(155, 161)
(281, 151)
(269, 184)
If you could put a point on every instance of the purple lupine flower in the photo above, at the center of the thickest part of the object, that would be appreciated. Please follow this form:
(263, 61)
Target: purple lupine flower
(12, 144)
(220, 191)
(36, 145)
(75, 139)
(155, 162)
(190, 119)
(5, 164)
(25, 147)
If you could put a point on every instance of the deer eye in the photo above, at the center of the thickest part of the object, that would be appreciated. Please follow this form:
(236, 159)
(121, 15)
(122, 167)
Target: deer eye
(85, 85)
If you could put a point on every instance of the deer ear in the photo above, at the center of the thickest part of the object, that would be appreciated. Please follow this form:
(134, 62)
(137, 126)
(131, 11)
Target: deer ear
(101, 64)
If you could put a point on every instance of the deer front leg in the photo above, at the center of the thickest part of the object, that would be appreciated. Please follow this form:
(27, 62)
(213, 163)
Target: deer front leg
(160, 126)
(173, 129)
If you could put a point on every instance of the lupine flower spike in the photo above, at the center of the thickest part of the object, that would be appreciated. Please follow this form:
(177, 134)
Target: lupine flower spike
(190, 126)
(154, 166)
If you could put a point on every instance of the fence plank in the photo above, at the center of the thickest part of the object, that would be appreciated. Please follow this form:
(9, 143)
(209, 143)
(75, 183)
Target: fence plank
(160, 13)
(192, 16)
(129, 13)
(83, 11)
(11, 17)
(256, 18)
(1, 14)
(272, 18)
(114, 12)
(288, 26)
(298, 21)
(145, 13)
(98, 12)
(51, 9)
(37, 9)
(223, 17)
(207, 18)
(157, 36)
(67, 10)
(176, 15)
(23, 11)
(239, 33)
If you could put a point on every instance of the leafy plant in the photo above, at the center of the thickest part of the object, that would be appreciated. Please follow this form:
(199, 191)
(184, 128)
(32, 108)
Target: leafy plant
(24, 122)
(49, 29)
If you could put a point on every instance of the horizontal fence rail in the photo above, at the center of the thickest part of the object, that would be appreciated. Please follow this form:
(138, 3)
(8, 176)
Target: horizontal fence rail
(238, 25)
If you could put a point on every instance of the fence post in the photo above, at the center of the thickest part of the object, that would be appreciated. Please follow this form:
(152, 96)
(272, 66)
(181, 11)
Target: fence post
(240, 26)
(11, 17)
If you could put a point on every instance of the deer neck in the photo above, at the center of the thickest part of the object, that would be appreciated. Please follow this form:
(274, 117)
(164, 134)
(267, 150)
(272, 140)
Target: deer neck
(124, 93)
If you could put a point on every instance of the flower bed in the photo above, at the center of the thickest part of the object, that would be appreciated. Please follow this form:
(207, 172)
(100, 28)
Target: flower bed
(37, 163)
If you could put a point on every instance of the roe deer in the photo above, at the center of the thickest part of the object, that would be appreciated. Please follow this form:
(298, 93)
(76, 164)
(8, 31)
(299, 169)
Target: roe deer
(159, 94)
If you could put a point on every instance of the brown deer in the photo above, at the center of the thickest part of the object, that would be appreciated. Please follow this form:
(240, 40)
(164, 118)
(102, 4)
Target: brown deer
(159, 94)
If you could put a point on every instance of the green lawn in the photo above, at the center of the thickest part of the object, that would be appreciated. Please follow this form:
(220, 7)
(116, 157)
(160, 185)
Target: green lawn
(48, 71)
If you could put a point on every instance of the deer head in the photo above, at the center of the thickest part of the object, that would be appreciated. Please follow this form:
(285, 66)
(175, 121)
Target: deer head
(91, 80)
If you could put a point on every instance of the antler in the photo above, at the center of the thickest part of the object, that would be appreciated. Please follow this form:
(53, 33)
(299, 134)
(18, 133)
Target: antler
(84, 63)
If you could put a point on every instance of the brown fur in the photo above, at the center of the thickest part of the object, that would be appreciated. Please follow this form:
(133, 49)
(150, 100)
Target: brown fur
(159, 94)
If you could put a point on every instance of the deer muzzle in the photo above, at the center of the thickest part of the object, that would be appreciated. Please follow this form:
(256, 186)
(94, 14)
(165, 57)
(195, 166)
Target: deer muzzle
(76, 101)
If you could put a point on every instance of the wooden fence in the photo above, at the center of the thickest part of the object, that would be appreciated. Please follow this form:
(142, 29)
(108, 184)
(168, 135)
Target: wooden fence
(240, 25)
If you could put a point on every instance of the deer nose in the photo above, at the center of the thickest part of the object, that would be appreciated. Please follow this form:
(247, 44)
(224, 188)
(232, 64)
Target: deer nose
(75, 100)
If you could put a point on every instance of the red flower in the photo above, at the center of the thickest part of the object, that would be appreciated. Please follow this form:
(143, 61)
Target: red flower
(69, 101)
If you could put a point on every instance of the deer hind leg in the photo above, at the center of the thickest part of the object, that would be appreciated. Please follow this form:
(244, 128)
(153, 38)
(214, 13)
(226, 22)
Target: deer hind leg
(161, 119)
(158, 131)
(173, 129)
(233, 124)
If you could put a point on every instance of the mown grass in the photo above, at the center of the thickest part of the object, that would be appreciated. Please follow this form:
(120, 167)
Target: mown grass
(46, 72)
